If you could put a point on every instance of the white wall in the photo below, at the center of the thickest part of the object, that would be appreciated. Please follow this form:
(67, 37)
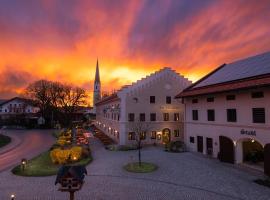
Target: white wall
(220, 127)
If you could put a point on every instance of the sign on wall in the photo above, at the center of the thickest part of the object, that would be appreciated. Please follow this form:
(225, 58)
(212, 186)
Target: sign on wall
(246, 132)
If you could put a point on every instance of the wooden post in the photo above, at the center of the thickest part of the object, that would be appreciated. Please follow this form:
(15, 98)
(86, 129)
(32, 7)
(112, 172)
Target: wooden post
(71, 195)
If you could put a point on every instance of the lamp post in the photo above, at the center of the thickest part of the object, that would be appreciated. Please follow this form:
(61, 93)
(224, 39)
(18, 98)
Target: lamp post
(23, 163)
(12, 197)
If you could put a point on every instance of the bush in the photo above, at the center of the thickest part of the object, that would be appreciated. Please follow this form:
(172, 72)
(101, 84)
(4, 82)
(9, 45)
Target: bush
(255, 156)
(64, 156)
(176, 146)
(76, 153)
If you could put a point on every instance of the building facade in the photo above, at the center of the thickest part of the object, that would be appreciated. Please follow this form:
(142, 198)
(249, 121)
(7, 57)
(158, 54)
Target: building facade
(18, 111)
(16, 106)
(148, 102)
(227, 113)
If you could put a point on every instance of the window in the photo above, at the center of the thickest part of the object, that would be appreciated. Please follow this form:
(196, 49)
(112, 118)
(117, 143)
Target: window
(211, 115)
(153, 135)
(159, 136)
(166, 116)
(142, 117)
(191, 139)
(131, 136)
(131, 117)
(176, 117)
(258, 115)
(210, 99)
(176, 133)
(195, 115)
(230, 97)
(152, 117)
(194, 100)
(231, 115)
(168, 100)
(143, 136)
(152, 99)
(256, 95)
(118, 117)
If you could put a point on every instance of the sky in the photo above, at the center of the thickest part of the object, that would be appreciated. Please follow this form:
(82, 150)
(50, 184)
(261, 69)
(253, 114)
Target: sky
(60, 40)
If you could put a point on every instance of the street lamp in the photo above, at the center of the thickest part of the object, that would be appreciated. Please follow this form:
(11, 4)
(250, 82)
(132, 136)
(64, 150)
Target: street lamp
(12, 197)
(23, 163)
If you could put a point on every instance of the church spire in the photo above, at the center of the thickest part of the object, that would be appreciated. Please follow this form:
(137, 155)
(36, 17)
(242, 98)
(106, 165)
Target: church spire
(97, 79)
(97, 86)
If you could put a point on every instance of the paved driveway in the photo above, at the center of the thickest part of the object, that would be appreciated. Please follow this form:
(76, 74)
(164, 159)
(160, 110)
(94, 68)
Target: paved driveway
(24, 144)
(180, 176)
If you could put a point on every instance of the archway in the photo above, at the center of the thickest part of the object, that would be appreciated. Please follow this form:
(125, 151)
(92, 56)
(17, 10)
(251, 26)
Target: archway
(250, 152)
(226, 149)
(166, 135)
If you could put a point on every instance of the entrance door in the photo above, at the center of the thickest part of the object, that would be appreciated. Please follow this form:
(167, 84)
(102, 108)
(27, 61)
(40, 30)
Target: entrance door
(209, 146)
(226, 150)
(200, 144)
(166, 135)
(267, 159)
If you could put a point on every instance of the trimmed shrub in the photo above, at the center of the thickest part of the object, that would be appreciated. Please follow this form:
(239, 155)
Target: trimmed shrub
(176, 146)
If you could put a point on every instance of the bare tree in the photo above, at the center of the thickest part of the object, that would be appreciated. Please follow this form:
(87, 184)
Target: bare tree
(70, 98)
(140, 129)
(54, 96)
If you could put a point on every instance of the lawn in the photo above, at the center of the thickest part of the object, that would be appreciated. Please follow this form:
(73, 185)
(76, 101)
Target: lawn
(43, 166)
(4, 140)
(143, 168)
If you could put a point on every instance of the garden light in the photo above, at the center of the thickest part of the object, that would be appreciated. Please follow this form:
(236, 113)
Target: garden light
(252, 140)
(12, 197)
(23, 163)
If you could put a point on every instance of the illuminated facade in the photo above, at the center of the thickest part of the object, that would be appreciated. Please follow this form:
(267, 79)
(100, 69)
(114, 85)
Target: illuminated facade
(149, 101)
(227, 113)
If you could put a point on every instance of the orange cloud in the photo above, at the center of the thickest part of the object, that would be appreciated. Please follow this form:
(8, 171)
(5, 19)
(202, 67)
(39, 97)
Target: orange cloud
(61, 40)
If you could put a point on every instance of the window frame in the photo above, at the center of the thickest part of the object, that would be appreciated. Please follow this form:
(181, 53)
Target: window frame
(258, 120)
(211, 118)
(152, 99)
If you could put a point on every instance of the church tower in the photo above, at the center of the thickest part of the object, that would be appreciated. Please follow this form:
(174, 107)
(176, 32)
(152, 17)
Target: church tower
(97, 94)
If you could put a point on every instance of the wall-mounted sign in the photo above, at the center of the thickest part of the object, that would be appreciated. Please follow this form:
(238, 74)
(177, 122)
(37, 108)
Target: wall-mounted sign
(169, 107)
(245, 132)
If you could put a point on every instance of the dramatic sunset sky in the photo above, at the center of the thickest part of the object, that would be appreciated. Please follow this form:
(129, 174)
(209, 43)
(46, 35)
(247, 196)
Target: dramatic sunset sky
(61, 39)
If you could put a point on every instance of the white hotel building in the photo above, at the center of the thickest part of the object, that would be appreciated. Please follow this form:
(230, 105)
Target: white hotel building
(227, 113)
(149, 100)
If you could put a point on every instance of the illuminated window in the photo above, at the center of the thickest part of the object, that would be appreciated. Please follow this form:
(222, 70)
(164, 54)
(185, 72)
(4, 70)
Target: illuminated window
(176, 116)
(176, 133)
(153, 135)
(166, 116)
(131, 136)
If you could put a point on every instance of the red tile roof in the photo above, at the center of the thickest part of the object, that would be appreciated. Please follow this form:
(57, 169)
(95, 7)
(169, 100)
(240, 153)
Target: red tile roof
(252, 82)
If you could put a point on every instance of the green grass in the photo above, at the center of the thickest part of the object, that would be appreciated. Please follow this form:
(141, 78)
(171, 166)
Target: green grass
(144, 168)
(4, 140)
(43, 166)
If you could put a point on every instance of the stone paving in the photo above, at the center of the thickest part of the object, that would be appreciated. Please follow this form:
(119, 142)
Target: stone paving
(180, 176)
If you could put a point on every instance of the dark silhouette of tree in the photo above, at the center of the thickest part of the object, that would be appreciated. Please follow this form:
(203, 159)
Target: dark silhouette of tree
(140, 128)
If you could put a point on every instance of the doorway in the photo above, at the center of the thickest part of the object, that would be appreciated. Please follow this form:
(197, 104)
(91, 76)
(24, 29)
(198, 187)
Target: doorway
(226, 150)
(166, 135)
(209, 146)
(200, 144)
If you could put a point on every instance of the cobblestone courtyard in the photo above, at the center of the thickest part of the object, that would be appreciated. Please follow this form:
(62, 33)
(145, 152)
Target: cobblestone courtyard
(180, 176)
